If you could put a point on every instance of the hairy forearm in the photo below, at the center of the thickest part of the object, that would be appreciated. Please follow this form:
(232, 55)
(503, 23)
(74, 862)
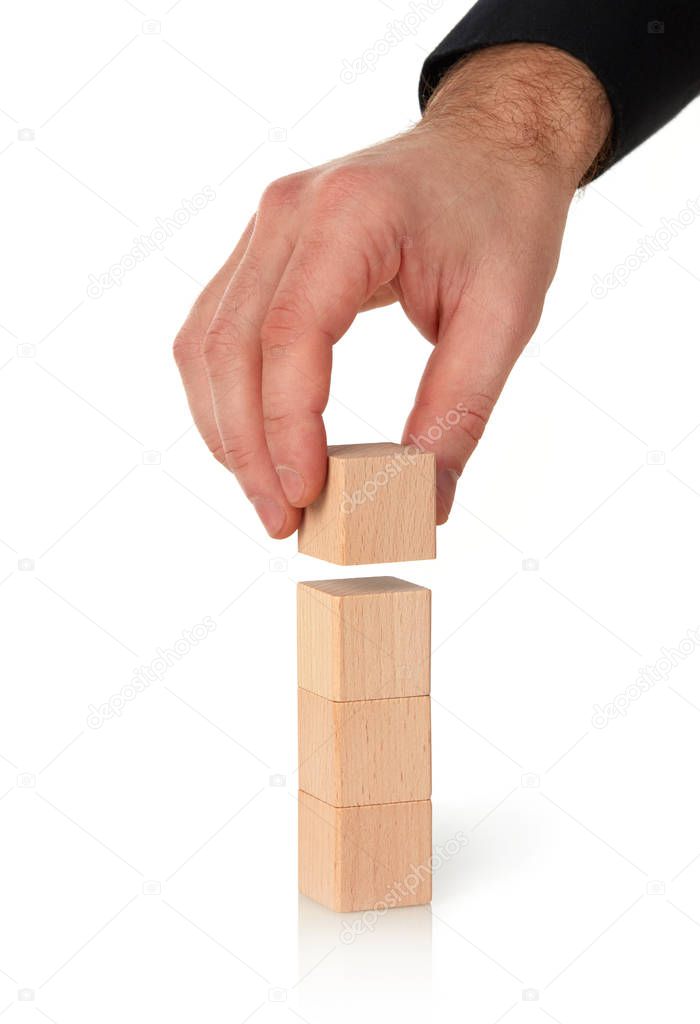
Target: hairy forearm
(534, 104)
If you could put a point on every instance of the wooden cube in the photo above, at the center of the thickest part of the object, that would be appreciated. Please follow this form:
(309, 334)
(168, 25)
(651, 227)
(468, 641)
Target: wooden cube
(363, 639)
(364, 858)
(378, 505)
(364, 751)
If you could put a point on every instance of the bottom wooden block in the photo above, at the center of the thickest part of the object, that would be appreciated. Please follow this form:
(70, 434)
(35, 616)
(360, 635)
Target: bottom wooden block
(365, 858)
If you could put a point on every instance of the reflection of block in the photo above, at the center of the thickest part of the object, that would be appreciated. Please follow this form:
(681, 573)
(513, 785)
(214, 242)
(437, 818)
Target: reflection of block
(364, 638)
(363, 858)
(378, 505)
(364, 751)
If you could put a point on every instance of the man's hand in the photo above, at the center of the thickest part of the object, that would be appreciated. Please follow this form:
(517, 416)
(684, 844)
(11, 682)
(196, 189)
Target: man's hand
(460, 220)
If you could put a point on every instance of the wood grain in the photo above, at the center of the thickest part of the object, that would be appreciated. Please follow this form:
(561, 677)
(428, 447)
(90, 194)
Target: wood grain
(366, 751)
(378, 505)
(363, 858)
(363, 639)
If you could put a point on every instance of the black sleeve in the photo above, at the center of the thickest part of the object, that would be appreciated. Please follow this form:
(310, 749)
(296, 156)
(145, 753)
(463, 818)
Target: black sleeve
(646, 53)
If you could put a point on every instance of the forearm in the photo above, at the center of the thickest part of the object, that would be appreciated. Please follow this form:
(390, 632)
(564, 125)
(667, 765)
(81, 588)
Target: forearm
(534, 104)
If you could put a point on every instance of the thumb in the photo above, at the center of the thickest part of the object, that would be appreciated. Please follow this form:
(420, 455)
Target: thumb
(464, 376)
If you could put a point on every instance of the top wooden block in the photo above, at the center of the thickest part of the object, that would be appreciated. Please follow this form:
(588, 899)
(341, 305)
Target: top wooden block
(378, 505)
(363, 639)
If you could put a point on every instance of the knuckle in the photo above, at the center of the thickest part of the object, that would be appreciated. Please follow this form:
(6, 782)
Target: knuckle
(473, 420)
(220, 341)
(282, 408)
(521, 320)
(339, 186)
(238, 453)
(224, 357)
(529, 320)
(190, 338)
(465, 421)
(281, 192)
(186, 348)
(352, 212)
(280, 328)
(213, 443)
(519, 314)
(277, 420)
(479, 406)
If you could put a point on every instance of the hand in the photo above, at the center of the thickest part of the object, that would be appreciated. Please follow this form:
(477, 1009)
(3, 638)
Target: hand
(460, 220)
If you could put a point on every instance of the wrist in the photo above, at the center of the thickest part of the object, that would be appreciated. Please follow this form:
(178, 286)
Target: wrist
(536, 105)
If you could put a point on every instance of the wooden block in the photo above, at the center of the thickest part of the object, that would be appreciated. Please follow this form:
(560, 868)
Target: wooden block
(363, 639)
(364, 751)
(364, 858)
(378, 505)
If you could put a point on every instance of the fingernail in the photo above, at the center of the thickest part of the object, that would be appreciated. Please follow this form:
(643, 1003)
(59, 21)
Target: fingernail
(271, 515)
(292, 483)
(446, 487)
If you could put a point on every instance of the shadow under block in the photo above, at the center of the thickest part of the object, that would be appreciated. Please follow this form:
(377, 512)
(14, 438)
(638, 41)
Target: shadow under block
(378, 505)
(363, 858)
(363, 639)
(364, 751)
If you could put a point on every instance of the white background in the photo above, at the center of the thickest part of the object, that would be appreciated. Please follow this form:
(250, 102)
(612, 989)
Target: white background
(148, 867)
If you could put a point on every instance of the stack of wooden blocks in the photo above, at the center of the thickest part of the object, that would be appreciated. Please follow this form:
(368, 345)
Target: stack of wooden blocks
(365, 820)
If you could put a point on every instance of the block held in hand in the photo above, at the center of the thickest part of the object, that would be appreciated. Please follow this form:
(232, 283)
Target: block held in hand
(378, 505)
